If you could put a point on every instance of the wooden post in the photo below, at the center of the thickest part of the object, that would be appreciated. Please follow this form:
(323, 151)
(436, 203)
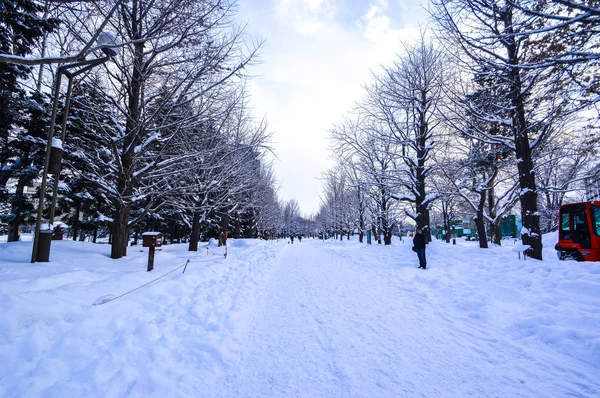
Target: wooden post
(151, 258)
(151, 240)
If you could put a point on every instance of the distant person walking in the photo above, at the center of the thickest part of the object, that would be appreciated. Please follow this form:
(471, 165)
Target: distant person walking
(419, 247)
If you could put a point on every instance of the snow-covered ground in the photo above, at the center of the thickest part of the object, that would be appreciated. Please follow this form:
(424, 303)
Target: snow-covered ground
(312, 319)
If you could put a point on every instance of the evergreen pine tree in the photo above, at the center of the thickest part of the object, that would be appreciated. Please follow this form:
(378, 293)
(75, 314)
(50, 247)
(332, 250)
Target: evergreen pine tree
(20, 28)
(87, 160)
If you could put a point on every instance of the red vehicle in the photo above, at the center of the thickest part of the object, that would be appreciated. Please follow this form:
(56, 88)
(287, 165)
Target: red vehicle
(579, 232)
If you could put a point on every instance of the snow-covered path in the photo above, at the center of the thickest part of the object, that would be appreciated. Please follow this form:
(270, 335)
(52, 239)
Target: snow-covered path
(335, 324)
(323, 325)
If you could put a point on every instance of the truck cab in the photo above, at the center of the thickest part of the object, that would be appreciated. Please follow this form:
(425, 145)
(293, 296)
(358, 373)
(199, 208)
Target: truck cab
(579, 232)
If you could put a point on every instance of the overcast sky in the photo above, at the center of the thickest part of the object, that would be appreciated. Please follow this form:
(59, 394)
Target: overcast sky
(316, 57)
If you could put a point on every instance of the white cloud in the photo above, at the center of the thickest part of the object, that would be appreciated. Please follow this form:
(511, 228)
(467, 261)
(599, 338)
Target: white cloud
(313, 70)
(306, 17)
(320, 6)
(377, 28)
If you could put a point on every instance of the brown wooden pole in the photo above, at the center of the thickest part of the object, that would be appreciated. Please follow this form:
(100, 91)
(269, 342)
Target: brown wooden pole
(151, 258)
(38, 223)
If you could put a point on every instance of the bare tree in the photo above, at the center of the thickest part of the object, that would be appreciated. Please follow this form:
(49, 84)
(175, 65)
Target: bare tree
(86, 19)
(564, 165)
(357, 198)
(269, 212)
(487, 37)
(563, 34)
(405, 100)
(291, 218)
(375, 161)
(182, 53)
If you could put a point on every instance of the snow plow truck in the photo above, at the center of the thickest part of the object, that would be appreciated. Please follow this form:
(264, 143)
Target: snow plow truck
(579, 232)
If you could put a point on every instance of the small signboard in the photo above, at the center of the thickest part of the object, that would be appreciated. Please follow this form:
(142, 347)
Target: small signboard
(152, 239)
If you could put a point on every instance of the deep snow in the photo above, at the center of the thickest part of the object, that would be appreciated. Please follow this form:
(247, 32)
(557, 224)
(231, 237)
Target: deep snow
(312, 319)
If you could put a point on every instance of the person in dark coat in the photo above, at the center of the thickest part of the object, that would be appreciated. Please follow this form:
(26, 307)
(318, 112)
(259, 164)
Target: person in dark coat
(419, 245)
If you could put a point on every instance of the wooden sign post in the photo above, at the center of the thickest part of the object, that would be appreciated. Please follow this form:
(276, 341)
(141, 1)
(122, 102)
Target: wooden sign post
(151, 240)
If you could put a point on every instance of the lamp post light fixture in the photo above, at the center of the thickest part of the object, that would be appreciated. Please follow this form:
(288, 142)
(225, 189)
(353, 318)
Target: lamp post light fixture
(107, 42)
(54, 150)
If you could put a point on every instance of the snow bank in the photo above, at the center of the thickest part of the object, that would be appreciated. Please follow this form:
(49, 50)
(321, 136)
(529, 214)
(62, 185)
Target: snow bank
(169, 338)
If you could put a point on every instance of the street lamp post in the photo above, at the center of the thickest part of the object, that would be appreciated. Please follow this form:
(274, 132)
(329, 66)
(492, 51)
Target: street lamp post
(39, 252)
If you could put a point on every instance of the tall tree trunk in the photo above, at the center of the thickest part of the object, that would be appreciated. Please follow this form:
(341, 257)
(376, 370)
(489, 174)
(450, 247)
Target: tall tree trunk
(361, 215)
(386, 228)
(420, 174)
(76, 222)
(195, 235)
(120, 225)
(446, 222)
(223, 228)
(550, 218)
(361, 225)
(387, 237)
(481, 230)
(531, 234)
(495, 232)
(480, 222)
(120, 231)
(16, 209)
(238, 226)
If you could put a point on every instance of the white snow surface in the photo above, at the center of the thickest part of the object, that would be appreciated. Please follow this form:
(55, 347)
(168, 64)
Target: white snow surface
(309, 319)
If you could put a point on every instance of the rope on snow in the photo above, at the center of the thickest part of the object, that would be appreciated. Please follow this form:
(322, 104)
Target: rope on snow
(101, 301)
